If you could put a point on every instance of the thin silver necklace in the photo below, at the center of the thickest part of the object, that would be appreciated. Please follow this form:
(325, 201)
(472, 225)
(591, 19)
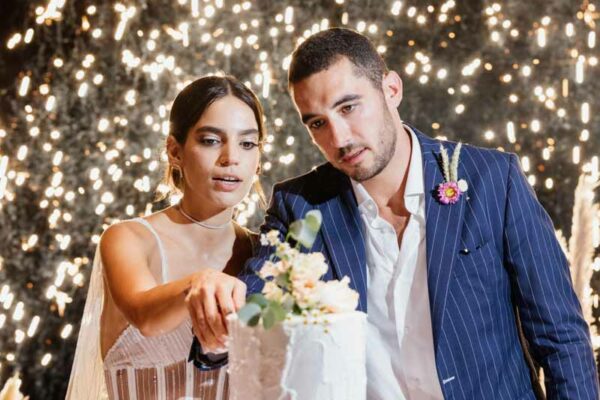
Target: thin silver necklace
(202, 224)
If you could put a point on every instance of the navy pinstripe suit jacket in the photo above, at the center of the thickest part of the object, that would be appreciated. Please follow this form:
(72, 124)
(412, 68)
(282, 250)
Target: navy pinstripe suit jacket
(488, 255)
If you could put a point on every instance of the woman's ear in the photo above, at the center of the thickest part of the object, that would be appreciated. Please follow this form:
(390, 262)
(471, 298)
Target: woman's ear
(392, 89)
(174, 150)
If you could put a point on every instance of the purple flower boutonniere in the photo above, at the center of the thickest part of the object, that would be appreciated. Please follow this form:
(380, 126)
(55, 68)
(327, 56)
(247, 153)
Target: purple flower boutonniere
(451, 189)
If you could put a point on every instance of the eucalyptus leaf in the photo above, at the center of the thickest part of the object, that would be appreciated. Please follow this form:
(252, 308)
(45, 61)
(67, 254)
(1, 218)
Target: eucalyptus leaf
(250, 314)
(304, 235)
(268, 317)
(278, 311)
(283, 280)
(313, 220)
(288, 304)
(254, 320)
(297, 310)
(295, 229)
(259, 299)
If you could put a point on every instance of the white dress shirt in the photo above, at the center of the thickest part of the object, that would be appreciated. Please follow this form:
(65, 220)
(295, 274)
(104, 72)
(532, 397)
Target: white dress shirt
(400, 354)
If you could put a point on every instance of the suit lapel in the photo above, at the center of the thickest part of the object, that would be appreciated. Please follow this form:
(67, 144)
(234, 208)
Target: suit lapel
(342, 234)
(443, 230)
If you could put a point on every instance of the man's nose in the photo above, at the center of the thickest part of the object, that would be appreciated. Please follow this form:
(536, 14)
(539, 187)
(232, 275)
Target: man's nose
(340, 135)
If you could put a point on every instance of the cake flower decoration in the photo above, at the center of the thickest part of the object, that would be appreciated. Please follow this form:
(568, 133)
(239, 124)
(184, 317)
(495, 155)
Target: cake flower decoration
(293, 282)
(452, 188)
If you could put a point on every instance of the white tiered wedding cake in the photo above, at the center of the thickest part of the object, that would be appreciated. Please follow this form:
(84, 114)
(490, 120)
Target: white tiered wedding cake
(298, 360)
(300, 339)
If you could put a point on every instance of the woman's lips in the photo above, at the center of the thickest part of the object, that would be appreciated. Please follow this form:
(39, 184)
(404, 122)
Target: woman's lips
(227, 184)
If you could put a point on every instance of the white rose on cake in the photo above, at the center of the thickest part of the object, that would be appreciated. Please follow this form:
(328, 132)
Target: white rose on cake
(337, 296)
(309, 267)
(273, 292)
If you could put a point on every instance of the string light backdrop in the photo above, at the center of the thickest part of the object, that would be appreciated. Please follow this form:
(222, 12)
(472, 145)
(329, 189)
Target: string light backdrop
(81, 142)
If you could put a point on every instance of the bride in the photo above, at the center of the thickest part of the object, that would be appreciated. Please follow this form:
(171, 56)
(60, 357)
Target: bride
(136, 329)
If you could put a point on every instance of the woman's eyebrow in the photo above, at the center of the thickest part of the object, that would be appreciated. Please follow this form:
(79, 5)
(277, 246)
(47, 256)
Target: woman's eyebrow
(219, 131)
(211, 129)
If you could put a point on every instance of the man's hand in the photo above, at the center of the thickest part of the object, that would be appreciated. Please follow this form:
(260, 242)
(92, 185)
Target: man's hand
(212, 296)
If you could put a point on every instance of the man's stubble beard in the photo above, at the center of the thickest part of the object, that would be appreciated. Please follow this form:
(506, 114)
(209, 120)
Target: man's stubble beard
(385, 151)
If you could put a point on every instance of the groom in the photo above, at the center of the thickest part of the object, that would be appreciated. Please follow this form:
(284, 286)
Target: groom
(444, 273)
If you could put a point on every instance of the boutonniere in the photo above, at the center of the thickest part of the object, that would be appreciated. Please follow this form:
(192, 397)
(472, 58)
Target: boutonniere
(451, 189)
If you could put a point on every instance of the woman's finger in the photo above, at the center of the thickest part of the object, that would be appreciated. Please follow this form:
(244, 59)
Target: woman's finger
(239, 294)
(211, 314)
(226, 303)
(197, 316)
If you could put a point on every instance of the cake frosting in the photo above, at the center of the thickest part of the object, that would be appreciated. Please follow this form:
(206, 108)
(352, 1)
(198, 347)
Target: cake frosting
(299, 359)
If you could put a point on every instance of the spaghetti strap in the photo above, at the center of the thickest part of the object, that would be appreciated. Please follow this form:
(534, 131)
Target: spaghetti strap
(161, 250)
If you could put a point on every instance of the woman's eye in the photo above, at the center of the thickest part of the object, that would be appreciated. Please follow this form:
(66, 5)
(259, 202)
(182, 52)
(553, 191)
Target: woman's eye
(249, 145)
(209, 141)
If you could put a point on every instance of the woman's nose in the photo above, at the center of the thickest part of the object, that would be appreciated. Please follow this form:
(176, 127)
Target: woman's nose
(229, 155)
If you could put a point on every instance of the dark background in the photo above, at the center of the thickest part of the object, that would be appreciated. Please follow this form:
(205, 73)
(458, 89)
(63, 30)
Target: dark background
(29, 273)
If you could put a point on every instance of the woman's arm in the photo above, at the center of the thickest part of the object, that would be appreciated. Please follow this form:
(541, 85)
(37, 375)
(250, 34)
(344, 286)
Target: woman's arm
(152, 308)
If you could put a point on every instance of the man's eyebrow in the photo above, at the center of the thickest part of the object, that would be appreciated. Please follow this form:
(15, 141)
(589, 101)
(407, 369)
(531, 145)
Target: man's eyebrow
(307, 117)
(344, 99)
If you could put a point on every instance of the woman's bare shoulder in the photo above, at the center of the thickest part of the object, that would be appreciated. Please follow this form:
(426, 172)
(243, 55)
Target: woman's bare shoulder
(127, 235)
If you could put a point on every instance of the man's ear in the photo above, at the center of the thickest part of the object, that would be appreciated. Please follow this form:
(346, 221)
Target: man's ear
(392, 89)
(174, 150)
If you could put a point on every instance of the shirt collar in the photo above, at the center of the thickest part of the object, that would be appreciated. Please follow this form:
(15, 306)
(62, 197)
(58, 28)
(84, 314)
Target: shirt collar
(414, 181)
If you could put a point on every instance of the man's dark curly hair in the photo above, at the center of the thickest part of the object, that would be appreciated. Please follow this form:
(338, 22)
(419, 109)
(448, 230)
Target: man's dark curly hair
(325, 48)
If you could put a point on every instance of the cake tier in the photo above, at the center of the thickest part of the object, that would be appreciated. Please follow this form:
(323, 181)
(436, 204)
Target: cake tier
(302, 359)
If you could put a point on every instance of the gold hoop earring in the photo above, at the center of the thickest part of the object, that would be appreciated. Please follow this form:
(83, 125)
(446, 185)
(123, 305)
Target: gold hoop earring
(179, 171)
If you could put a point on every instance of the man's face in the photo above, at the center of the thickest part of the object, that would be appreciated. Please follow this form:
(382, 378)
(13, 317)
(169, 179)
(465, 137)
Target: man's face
(348, 119)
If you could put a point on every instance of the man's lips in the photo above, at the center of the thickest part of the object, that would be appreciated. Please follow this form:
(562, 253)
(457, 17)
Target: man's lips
(353, 157)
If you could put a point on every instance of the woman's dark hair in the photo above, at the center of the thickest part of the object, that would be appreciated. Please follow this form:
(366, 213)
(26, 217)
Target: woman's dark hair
(323, 49)
(192, 102)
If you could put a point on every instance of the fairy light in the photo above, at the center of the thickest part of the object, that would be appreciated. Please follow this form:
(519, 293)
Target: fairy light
(35, 322)
(396, 8)
(579, 69)
(569, 29)
(585, 135)
(576, 155)
(66, 331)
(510, 132)
(525, 163)
(24, 87)
(46, 359)
(585, 113)
(126, 14)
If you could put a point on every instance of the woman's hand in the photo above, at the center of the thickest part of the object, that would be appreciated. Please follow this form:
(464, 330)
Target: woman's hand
(212, 296)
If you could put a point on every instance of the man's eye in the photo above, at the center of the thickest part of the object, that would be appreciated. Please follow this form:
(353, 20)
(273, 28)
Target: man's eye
(348, 108)
(317, 124)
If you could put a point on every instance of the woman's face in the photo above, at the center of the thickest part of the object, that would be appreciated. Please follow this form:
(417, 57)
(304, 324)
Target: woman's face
(220, 156)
